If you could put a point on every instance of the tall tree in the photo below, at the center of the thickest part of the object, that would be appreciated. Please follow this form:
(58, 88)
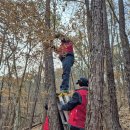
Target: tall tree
(89, 20)
(95, 102)
(37, 81)
(125, 47)
(113, 120)
(50, 79)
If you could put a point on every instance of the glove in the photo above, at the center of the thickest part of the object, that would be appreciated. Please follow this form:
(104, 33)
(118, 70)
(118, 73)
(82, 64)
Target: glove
(53, 47)
(57, 35)
(61, 105)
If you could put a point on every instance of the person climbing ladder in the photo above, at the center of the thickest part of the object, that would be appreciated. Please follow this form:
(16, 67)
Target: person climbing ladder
(66, 56)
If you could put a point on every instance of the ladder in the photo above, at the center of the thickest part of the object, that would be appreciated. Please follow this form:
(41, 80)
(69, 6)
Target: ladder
(64, 115)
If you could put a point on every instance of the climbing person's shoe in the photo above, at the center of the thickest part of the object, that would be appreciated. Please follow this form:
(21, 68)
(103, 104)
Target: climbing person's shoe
(65, 91)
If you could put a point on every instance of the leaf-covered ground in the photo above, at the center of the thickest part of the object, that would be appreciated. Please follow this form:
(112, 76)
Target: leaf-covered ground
(124, 115)
(125, 118)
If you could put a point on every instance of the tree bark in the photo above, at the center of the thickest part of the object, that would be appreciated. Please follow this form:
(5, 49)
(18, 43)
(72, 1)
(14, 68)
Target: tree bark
(95, 102)
(50, 80)
(113, 117)
(37, 82)
(89, 21)
(125, 47)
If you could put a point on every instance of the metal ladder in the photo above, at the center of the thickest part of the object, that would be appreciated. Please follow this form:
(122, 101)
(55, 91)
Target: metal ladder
(64, 115)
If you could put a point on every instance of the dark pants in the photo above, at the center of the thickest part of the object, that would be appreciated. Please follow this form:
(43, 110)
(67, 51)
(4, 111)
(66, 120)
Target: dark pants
(75, 128)
(67, 63)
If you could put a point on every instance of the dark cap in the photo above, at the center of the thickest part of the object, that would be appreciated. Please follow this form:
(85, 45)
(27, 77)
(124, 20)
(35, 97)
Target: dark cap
(82, 82)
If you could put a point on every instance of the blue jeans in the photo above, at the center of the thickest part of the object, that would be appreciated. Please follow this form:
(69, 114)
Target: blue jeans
(67, 63)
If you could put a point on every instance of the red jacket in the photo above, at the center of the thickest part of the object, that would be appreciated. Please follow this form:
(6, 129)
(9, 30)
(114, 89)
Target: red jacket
(66, 48)
(45, 125)
(77, 115)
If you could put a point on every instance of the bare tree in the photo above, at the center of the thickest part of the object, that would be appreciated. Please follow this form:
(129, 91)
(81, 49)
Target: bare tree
(113, 117)
(125, 47)
(50, 79)
(37, 81)
(95, 102)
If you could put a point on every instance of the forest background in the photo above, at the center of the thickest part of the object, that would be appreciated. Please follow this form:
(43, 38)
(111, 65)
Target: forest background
(28, 73)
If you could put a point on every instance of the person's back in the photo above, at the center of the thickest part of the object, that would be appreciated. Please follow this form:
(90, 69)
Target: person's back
(77, 115)
(77, 106)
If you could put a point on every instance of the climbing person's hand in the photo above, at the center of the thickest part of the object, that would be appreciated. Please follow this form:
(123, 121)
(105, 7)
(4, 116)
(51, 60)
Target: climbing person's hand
(57, 35)
(53, 47)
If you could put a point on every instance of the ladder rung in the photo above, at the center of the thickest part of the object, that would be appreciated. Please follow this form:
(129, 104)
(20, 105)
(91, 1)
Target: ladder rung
(65, 123)
(64, 115)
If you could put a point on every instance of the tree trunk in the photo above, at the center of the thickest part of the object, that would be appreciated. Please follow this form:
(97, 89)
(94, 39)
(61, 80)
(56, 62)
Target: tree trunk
(95, 102)
(89, 20)
(50, 80)
(17, 115)
(125, 47)
(113, 117)
(37, 82)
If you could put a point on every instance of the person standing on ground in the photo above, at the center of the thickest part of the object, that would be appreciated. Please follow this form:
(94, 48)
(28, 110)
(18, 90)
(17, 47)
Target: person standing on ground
(77, 106)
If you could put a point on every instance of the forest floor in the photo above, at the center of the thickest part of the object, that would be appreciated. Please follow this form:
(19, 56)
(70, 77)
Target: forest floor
(124, 115)
(124, 119)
